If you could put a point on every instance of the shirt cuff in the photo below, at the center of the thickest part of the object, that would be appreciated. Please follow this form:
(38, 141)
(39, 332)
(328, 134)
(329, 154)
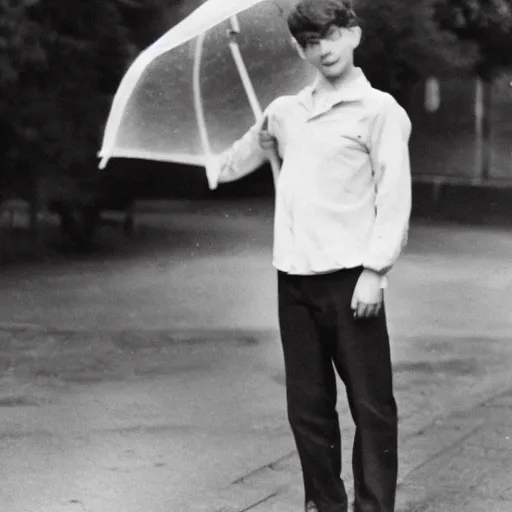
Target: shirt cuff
(384, 281)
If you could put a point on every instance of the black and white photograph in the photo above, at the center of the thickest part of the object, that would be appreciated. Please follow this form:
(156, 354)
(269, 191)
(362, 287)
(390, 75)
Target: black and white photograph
(256, 256)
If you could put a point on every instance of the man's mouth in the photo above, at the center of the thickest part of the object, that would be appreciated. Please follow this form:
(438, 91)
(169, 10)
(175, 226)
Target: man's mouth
(329, 63)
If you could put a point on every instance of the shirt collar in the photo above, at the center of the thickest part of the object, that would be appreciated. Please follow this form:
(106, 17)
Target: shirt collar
(327, 96)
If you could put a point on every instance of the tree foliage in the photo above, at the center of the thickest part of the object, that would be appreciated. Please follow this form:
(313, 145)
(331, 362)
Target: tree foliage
(60, 62)
(21, 54)
(401, 45)
(486, 23)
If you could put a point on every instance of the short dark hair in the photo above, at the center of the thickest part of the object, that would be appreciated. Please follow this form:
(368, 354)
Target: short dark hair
(316, 16)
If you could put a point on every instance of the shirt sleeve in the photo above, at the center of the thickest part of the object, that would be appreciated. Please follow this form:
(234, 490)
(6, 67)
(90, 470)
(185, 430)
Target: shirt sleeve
(389, 153)
(242, 158)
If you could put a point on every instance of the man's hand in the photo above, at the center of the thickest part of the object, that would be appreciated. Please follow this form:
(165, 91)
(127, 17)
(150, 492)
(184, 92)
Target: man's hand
(266, 139)
(368, 296)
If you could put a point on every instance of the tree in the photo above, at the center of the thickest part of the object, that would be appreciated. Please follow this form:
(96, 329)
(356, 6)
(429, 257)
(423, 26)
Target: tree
(60, 63)
(149, 19)
(20, 53)
(488, 25)
(401, 45)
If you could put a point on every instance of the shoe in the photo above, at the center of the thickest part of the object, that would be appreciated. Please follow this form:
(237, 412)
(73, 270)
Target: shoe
(311, 507)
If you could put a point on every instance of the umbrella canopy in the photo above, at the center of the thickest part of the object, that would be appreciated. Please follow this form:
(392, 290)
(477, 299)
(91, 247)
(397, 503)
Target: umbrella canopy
(188, 95)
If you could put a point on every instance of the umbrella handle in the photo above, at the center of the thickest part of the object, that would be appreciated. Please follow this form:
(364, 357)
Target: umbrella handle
(249, 90)
(275, 164)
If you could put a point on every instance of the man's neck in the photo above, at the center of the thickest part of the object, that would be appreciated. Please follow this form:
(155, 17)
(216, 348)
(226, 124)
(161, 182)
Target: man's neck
(339, 82)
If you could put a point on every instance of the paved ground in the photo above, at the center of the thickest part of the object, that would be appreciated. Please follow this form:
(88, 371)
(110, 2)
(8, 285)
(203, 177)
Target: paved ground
(148, 377)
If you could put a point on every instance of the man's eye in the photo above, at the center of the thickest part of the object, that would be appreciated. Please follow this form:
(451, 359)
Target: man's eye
(333, 33)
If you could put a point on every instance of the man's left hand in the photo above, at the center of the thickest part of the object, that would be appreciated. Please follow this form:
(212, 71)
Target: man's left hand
(368, 296)
(266, 139)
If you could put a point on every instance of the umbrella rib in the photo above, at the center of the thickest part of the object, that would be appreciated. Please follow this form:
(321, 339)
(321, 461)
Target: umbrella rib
(198, 102)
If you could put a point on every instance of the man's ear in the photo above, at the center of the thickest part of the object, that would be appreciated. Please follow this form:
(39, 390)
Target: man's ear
(298, 48)
(357, 34)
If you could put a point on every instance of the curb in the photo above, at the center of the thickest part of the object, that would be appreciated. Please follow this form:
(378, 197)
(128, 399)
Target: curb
(468, 201)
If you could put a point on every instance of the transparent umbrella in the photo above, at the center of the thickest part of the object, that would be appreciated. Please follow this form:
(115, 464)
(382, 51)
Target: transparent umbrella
(199, 87)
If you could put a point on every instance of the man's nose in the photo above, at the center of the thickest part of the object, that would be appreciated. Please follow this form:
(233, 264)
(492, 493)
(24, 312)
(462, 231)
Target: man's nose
(325, 48)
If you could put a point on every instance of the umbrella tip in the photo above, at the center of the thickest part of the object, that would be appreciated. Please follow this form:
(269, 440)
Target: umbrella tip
(103, 163)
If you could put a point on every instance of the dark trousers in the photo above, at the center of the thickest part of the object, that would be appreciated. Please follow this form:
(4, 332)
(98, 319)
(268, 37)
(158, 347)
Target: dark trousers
(319, 335)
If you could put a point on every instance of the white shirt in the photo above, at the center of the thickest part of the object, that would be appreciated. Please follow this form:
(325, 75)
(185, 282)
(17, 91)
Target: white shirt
(343, 196)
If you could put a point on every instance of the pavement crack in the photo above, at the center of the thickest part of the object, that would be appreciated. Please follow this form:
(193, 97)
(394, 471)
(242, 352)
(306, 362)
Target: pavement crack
(274, 465)
(260, 502)
(440, 453)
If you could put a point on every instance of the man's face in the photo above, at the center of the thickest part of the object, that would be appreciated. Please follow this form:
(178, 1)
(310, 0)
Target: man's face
(331, 52)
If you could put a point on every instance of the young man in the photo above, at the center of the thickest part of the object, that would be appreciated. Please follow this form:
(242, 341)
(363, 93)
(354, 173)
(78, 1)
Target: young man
(343, 202)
